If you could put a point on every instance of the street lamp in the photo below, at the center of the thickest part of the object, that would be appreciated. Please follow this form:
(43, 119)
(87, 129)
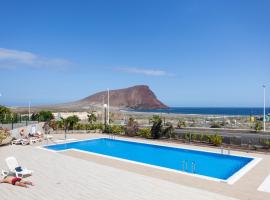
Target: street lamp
(264, 107)
(1, 95)
(29, 110)
(105, 115)
(108, 106)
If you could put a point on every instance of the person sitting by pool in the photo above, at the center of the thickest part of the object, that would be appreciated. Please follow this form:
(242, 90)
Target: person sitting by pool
(22, 134)
(31, 135)
(38, 134)
(15, 181)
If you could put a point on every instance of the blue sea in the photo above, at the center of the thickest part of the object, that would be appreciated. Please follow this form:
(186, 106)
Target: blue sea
(211, 110)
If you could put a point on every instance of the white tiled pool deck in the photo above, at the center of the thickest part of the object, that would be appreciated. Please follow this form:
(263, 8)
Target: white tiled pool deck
(75, 175)
(265, 186)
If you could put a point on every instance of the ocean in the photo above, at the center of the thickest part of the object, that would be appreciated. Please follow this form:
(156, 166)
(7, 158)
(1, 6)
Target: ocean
(211, 110)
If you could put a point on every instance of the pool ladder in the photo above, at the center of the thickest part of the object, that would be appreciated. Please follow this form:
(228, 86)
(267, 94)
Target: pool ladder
(111, 136)
(185, 166)
(222, 150)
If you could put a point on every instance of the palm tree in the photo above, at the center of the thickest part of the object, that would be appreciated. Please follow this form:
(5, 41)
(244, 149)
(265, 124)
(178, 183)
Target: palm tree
(5, 114)
(70, 122)
(92, 118)
(156, 130)
(63, 123)
(169, 130)
(132, 127)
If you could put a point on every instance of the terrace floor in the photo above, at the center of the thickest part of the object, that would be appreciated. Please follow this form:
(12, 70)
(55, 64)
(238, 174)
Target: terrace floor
(75, 175)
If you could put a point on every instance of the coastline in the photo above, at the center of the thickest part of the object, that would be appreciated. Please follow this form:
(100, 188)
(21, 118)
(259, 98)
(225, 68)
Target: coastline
(204, 111)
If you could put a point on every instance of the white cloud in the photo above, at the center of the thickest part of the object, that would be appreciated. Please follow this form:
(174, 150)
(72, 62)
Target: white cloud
(10, 58)
(149, 72)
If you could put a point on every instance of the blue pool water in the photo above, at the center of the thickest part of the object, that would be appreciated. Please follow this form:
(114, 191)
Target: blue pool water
(203, 163)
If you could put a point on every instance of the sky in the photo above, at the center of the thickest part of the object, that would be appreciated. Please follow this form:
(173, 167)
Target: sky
(191, 53)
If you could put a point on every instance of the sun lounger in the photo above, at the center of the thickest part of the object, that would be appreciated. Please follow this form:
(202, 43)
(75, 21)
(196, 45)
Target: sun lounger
(26, 141)
(21, 141)
(15, 168)
(33, 140)
(4, 173)
(48, 137)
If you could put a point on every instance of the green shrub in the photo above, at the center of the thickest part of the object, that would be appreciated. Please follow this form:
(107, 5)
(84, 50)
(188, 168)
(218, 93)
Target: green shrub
(77, 126)
(181, 124)
(207, 138)
(80, 126)
(42, 116)
(99, 126)
(201, 137)
(57, 124)
(216, 140)
(107, 129)
(168, 131)
(5, 114)
(186, 136)
(145, 132)
(215, 125)
(132, 127)
(266, 144)
(86, 127)
(194, 137)
(90, 126)
(258, 126)
(3, 134)
(116, 129)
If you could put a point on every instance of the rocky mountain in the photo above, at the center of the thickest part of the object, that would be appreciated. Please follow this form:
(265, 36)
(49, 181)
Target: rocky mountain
(136, 97)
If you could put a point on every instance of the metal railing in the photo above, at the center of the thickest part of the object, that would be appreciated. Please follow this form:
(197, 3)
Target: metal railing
(14, 125)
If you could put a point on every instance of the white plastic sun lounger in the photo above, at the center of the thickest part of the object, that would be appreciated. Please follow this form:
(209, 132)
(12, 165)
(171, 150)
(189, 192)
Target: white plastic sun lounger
(4, 173)
(21, 141)
(48, 137)
(33, 140)
(15, 168)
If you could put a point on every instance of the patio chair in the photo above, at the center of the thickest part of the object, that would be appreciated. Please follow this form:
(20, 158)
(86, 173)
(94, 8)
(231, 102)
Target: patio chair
(15, 168)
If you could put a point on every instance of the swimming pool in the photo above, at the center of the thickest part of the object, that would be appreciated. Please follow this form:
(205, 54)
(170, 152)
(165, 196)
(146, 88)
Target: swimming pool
(208, 164)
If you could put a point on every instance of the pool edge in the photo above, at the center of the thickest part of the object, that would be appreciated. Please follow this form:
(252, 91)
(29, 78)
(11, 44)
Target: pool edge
(231, 180)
